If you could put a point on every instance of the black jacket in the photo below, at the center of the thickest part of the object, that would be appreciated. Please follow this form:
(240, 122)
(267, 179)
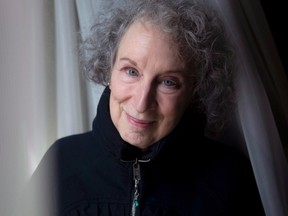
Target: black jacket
(185, 173)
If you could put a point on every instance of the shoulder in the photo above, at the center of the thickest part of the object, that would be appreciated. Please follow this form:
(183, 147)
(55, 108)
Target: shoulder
(72, 144)
(222, 152)
(66, 152)
(226, 164)
(74, 139)
(56, 165)
(229, 175)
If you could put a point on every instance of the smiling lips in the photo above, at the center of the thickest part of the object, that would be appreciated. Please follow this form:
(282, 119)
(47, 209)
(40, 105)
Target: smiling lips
(139, 123)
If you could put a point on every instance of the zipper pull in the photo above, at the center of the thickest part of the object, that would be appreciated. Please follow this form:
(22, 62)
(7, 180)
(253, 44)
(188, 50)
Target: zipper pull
(136, 171)
(137, 178)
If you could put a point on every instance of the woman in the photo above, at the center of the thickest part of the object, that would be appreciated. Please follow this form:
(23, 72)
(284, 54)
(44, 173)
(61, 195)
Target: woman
(167, 66)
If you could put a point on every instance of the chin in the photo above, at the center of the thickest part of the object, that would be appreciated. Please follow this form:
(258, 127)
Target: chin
(137, 140)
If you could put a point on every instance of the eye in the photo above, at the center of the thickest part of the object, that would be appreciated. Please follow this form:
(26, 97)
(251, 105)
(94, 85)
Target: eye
(169, 83)
(132, 72)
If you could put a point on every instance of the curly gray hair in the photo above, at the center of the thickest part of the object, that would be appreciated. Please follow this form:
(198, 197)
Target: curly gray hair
(202, 44)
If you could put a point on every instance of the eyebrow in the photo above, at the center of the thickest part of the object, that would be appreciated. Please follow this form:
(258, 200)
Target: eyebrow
(128, 59)
(135, 64)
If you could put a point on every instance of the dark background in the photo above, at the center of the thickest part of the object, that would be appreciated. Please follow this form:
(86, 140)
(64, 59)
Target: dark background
(276, 15)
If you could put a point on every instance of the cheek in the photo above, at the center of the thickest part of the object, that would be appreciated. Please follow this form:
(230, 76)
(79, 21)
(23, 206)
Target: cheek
(118, 98)
(176, 106)
(115, 109)
(115, 102)
(119, 94)
(117, 87)
(171, 114)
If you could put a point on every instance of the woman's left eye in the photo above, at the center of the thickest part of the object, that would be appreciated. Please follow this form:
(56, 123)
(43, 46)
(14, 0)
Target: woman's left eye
(132, 72)
(169, 83)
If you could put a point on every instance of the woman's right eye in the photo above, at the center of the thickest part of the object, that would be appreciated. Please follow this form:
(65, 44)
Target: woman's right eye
(132, 72)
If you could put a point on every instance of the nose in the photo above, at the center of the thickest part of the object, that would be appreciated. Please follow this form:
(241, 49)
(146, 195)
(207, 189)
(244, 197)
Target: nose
(145, 97)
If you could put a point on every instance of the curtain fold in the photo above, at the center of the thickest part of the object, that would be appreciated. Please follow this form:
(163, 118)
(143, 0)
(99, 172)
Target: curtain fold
(86, 12)
(71, 95)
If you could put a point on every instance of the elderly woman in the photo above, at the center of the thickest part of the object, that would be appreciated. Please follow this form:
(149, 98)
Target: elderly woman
(167, 68)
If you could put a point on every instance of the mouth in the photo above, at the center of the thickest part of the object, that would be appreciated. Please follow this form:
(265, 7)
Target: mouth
(139, 123)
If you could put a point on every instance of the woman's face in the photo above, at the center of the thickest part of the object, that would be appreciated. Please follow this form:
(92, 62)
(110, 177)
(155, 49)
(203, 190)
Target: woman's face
(149, 86)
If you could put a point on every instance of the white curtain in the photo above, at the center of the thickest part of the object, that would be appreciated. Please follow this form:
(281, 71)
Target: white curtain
(27, 92)
(261, 80)
(43, 96)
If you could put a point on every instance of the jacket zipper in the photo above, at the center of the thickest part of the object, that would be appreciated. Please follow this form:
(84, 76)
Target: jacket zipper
(137, 178)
